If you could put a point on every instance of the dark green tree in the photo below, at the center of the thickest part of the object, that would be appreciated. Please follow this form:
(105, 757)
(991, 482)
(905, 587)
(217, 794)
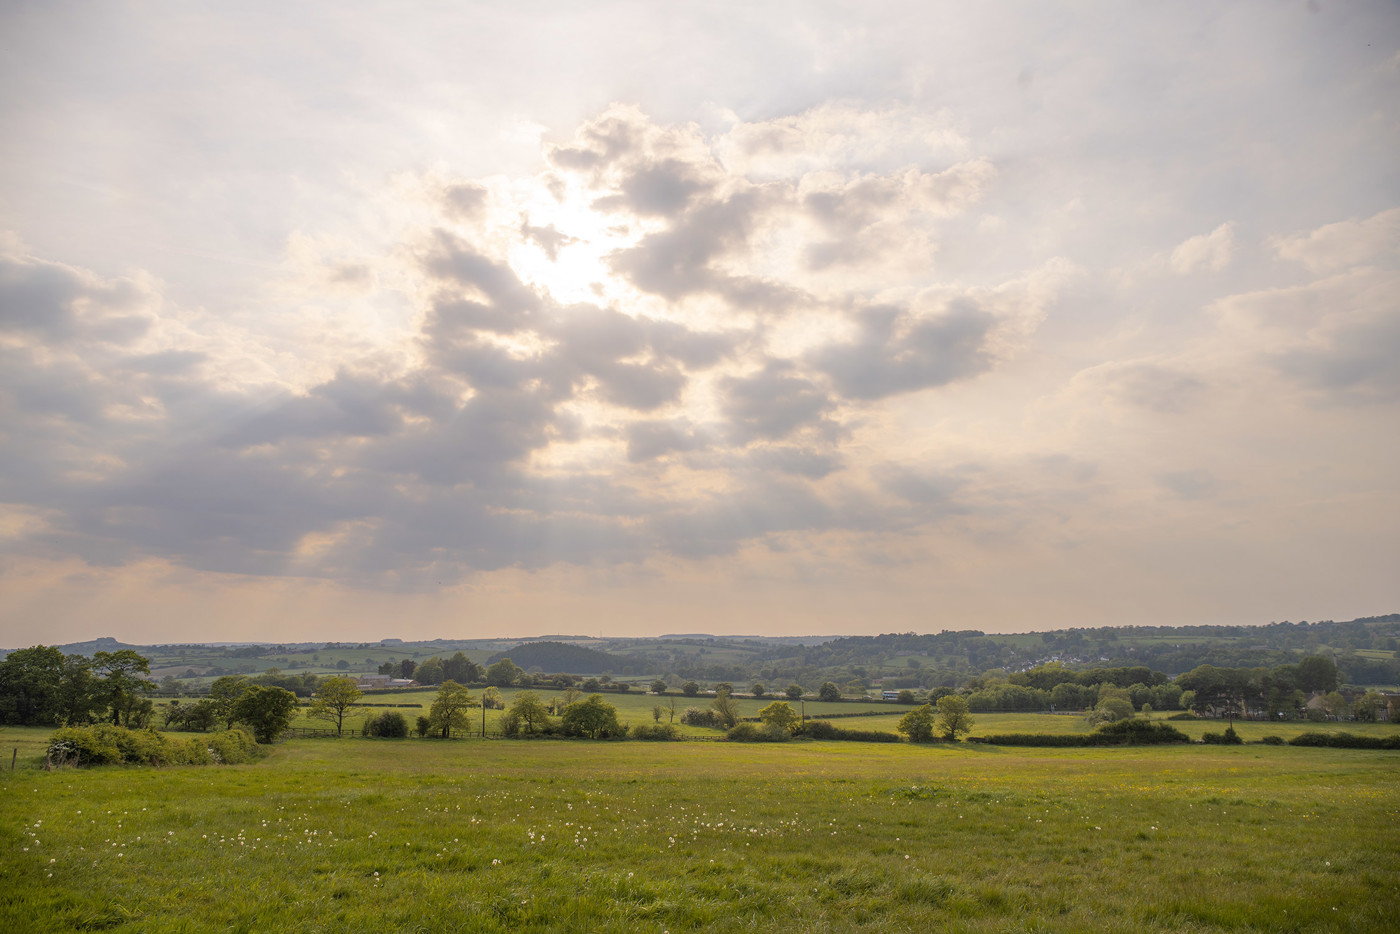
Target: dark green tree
(829, 691)
(267, 711)
(594, 718)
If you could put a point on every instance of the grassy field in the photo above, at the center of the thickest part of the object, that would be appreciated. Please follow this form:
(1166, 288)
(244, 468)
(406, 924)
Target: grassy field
(414, 835)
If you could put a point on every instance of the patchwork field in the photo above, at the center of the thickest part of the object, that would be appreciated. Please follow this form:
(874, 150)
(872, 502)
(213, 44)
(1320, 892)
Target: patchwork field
(374, 835)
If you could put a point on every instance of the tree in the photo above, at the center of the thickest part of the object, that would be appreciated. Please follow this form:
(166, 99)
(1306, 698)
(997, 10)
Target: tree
(30, 682)
(430, 672)
(724, 687)
(342, 665)
(449, 710)
(758, 690)
(594, 718)
(333, 697)
(461, 669)
(407, 667)
(527, 716)
(953, 717)
(1317, 673)
(726, 709)
(779, 715)
(690, 689)
(268, 711)
(658, 686)
(917, 724)
(906, 696)
(123, 690)
(794, 692)
(491, 699)
(829, 691)
(1113, 705)
(224, 693)
(504, 673)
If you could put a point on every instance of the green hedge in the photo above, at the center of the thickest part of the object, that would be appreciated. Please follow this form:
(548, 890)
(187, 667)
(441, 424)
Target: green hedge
(820, 729)
(1133, 732)
(105, 744)
(1346, 741)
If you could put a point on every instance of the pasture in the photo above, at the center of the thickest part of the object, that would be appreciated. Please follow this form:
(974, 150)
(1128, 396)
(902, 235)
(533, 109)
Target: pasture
(374, 835)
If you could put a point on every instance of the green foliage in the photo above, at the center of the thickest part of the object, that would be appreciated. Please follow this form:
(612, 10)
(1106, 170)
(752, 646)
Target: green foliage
(503, 673)
(754, 733)
(422, 725)
(821, 729)
(1228, 738)
(953, 719)
(917, 724)
(267, 711)
(593, 718)
(726, 710)
(690, 689)
(107, 744)
(658, 686)
(527, 716)
(780, 715)
(1136, 732)
(1346, 741)
(1272, 741)
(699, 716)
(794, 692)
(390, 724)
(333, 698)
(449, 710)
(757, 690)
(829, 692)
(654, 731)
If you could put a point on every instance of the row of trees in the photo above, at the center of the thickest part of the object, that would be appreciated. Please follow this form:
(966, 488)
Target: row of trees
(40, 686)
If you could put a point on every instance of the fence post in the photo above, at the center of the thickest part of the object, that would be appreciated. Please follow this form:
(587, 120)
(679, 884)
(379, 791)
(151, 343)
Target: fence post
(13, 756)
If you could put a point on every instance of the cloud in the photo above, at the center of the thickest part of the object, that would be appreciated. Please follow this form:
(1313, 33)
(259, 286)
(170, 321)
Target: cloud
(1333, 247)
(1211, 251)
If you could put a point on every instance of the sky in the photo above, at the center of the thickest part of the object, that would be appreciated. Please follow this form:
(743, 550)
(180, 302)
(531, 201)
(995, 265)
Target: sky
(352, 320)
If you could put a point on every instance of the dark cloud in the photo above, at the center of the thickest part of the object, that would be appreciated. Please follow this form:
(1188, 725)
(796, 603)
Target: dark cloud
(648, 440)
(773, 403)
(664, 189)
(896, 351)
(58, 303)
(1355, 364)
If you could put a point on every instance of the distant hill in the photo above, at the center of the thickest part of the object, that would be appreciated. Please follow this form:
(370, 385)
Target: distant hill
(561, 657)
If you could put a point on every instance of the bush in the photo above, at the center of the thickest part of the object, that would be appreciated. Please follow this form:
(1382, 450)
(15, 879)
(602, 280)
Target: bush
(233, 747)
(1138, 733)
(83, 745)
(1346, 741)
(699, 716)
(106, 744)
(1272, 741)
(820, 729)
(658, 731)
(1228, 738)
(753, 733)
(389, 725)
(1185, 715)
(1122, 733)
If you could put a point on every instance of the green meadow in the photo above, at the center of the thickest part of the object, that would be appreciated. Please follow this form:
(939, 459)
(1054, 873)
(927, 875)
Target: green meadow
(560, 835)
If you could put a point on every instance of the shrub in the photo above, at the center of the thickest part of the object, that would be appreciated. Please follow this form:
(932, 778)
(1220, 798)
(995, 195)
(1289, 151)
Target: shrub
(1346, 741)
(657, 731)
(83, 745)
(1136, 732)
(389, 725)
(233, 747)
(820, 729)
(1184, 715)
(753, 733)
(698, 716)
(1228, 738)
(1272, 741)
